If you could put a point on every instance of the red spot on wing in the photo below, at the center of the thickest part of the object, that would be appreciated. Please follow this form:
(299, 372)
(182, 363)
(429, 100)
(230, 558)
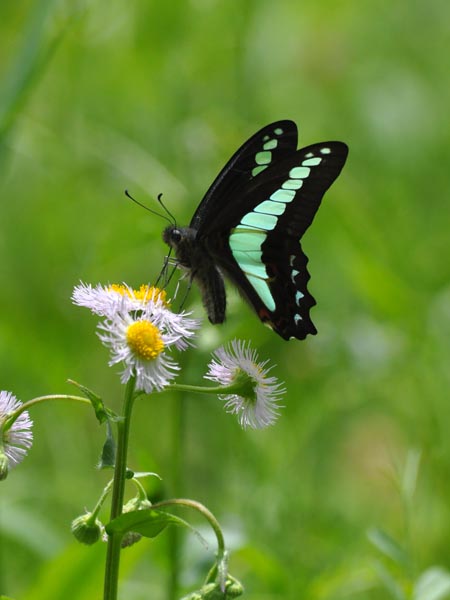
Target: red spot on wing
(264, 314)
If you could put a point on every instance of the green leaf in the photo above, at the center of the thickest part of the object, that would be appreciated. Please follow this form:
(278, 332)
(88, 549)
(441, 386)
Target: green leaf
(148, 523)
(108, 456)
(433, 584)
(388, 546)
(101, 412)
(142, 474)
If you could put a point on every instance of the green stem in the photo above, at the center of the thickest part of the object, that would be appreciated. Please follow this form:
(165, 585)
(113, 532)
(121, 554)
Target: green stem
(233, 388)
(177, 485)
(204, 511)
(102, 499)
(140, 488)
(120, 471)
(13, 416)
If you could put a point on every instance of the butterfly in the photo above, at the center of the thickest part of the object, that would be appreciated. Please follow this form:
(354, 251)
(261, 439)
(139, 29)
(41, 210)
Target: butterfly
(249, 225)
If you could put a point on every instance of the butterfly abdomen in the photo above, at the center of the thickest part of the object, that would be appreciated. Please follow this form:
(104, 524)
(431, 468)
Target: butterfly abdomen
(193, 256)
(212, 288)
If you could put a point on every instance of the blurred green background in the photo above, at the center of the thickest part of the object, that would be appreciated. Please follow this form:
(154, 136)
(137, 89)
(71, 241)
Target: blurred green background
(100, 96)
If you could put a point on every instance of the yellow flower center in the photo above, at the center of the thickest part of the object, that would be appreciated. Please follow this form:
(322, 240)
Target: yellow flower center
(149, 292)
(144, 340)
(145, 293)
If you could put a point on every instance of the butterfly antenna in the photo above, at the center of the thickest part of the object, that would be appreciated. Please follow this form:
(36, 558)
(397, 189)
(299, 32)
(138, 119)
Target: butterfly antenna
(172, 218)
(127, 193)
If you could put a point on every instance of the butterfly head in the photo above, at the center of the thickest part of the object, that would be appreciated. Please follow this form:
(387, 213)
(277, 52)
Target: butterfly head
(175, 236)
(182, 240)
(172, 236)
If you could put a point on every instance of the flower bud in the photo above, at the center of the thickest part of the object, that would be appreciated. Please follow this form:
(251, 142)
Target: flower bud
(200, 594)
(87, 529)
(130, 538)
(136, 504)
(213, 591)
(233, 587)
(4, 466)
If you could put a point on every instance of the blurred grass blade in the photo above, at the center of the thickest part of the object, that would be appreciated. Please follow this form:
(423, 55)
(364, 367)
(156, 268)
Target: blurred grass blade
(410, 474)
(30, 63)
(389, 582)
(388, 546)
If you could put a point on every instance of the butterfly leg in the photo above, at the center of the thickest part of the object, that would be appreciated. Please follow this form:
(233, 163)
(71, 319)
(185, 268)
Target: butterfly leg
(186, 293)
(163, 273)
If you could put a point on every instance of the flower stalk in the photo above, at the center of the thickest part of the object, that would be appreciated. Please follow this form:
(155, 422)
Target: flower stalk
(26, 405)
(205, 512)
(232, 388)
(114, 540)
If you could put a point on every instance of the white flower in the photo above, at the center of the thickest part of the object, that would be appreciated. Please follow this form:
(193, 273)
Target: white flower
(141, 341)
(255, 395)
(109, 301)
(16, 440)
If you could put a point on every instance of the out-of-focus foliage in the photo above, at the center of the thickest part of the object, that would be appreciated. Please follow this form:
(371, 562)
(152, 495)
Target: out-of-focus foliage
(101, 96)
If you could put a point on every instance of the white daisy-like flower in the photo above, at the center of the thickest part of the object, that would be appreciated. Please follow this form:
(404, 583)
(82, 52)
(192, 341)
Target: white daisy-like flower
(108, 301)
(255, 395)
(17, 439)
(141, 342)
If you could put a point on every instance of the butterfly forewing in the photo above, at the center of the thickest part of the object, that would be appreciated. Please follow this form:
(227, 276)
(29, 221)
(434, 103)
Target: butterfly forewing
(265, 148)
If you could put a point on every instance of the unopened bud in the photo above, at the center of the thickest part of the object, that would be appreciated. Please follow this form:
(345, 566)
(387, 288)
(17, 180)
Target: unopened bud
(86, 529)
(130, 538)
(213, 591)
(233, 587)
(4, 466)
(136, 504)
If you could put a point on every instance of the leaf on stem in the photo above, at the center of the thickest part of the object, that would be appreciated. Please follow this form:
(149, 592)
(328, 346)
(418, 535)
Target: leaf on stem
(108, 456)
(101, 412)
(148, 523)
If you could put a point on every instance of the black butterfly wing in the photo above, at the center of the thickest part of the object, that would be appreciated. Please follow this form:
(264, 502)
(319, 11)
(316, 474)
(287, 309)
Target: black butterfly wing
(268, 146)
(255, 238)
